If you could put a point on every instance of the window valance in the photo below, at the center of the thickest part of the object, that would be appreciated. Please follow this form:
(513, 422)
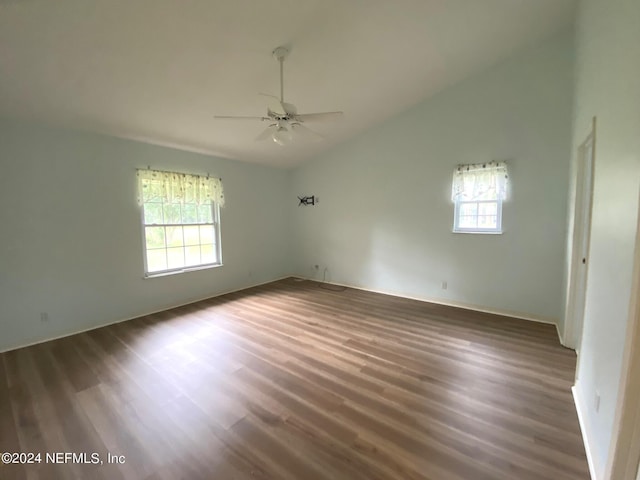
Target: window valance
(480, 181)
(174, 187)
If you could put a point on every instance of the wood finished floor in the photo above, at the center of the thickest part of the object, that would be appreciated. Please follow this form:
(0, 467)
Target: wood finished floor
(292, 381)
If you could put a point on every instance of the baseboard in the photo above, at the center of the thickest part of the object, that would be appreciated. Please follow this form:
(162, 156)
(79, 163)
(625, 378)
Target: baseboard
(477, 308)
(449, 303)
(586, 435)
(189, 302)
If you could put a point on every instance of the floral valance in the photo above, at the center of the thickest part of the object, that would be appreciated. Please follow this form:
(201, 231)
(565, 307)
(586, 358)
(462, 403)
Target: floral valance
(480, 181)
(174, 187)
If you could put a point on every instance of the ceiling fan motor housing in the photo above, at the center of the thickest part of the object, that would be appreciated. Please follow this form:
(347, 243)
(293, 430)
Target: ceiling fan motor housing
(280, 53)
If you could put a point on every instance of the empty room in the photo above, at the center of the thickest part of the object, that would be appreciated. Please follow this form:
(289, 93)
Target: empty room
(319, 239)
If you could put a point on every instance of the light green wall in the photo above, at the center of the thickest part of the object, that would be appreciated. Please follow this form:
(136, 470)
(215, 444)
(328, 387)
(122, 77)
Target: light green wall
(385, 215)
(71, 240)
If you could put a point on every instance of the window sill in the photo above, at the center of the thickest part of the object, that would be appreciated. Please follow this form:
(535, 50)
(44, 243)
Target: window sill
(477, 232)
(182, 270)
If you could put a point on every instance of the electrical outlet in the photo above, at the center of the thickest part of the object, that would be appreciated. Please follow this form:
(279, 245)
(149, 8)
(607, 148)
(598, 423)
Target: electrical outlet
(444, 284)
(597, 401)
(44, 317)
(315, 271)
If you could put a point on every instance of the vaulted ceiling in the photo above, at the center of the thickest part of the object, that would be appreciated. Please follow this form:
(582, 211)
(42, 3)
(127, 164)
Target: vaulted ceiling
(159, 70)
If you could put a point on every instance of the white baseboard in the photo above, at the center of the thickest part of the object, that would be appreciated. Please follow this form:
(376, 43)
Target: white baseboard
(584, 429)
(450, 303)
(477, 308)
(169, 307)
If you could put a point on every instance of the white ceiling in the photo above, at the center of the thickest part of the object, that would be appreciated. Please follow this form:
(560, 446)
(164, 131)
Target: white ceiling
(159, 70)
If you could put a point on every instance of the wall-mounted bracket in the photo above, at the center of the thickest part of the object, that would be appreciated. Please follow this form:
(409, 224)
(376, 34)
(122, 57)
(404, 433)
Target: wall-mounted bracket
(308, 200)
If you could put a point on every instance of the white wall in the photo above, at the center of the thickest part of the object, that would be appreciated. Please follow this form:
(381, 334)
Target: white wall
(385, 216)
(70, 233)
(607, 75)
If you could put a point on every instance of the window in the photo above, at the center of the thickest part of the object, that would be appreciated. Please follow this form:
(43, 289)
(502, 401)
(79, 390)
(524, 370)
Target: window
(478, 191)
(180, 219)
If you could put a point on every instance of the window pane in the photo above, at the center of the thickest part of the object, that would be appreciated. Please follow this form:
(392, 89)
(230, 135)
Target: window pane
(174, 237)
(468, 222)
(172, 213)
(192, 256)
(189, 213)
(191, 235)
(477, 216)
(152, 213)
(468, 209)
(175, 257)
(205, 214)
(154, 237)
(156, 260)
(207, 234)
(487, 221)
(208, 254)
(488, 209)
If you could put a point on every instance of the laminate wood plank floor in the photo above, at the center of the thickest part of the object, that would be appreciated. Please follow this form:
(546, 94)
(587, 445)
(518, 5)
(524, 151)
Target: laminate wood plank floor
(293, 381)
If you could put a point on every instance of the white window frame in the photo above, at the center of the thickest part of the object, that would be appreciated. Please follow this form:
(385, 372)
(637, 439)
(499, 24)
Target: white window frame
(456, 218)
(215, 216)
(478, 184)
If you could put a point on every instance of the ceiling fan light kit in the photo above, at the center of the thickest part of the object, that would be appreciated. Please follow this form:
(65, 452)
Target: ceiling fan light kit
(286, 121)
(282, 136)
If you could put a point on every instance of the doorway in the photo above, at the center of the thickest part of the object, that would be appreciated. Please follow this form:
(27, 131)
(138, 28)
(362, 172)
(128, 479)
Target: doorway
(579, 266)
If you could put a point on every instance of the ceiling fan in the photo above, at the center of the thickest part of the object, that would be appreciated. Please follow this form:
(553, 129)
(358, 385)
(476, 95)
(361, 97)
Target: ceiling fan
(285, 121)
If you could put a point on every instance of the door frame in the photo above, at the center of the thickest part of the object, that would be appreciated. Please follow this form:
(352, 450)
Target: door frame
(581, 236)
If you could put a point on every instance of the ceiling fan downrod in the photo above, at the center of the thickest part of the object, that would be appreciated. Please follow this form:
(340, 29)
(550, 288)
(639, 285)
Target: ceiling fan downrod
(280, 54)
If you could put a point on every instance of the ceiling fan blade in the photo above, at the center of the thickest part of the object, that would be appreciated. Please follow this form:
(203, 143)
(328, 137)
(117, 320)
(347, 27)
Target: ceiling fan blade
(236, 117)
(275, 105)
(284, 121)
(290, 108)
(266, 133)
(319, 116)
(305, 132)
